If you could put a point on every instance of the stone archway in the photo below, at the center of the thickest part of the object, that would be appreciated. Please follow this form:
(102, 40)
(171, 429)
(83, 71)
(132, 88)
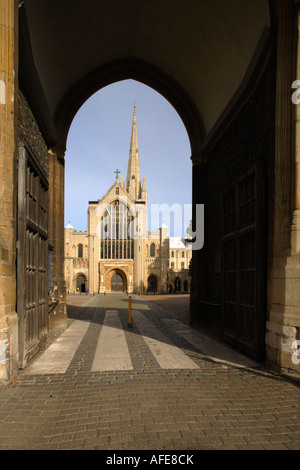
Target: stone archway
(80, 283)
(179, 64)
(141, 71)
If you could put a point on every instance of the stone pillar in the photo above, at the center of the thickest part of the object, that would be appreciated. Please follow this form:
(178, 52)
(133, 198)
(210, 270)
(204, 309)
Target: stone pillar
(96, 280)
(57, 298)
(138, 265)
(8, 137)
(284, 270)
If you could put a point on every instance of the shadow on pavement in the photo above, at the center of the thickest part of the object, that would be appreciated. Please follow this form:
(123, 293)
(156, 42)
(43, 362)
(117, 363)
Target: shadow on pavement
(155, 308)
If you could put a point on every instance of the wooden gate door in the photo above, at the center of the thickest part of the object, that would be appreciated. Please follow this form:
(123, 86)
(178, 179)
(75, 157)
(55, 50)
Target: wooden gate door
(32, 257)
(243, 264)
(117, 283)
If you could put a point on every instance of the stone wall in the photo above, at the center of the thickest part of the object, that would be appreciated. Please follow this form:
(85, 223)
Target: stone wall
(8, 138)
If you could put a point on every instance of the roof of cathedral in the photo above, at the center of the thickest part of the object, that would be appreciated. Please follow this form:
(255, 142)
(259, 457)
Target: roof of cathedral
(118, 184)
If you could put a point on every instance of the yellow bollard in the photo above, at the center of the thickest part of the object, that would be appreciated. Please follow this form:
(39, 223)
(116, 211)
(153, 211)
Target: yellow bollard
(129, 314)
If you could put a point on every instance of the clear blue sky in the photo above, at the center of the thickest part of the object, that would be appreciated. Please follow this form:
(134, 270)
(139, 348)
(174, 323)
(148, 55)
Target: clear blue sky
(98, 144)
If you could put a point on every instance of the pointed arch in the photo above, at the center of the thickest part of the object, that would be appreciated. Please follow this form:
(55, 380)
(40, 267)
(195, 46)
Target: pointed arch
(124, 69)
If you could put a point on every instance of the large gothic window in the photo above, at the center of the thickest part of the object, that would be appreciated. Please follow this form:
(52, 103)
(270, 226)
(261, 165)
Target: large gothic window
(116, 242)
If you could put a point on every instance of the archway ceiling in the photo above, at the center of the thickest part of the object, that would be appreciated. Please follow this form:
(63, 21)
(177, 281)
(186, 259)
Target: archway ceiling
(204, 45)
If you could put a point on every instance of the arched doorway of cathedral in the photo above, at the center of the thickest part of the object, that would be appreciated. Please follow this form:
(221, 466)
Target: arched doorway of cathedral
(152, 284)
(80, 283)
(116, 281)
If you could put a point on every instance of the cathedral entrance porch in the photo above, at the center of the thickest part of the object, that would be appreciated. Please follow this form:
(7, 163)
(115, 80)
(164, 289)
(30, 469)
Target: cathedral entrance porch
(114, 281)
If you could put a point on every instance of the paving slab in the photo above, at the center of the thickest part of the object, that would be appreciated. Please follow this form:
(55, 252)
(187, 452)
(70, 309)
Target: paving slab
(112, 351)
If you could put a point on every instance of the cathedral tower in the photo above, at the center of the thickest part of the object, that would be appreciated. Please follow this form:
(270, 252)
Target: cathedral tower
(138, 193)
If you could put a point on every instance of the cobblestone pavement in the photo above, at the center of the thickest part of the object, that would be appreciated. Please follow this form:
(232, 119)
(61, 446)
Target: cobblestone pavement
(223, 402)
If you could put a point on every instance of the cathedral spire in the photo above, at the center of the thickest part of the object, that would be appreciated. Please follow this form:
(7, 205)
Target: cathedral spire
(133, 182)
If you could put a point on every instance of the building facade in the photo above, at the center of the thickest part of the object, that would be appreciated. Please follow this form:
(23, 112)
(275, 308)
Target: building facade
(116, 253)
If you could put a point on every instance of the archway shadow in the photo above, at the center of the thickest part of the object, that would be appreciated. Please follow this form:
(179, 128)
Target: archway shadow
(218, 355)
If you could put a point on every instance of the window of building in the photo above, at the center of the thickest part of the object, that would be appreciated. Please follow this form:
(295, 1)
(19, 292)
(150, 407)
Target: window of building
(182, 265)
(183, 255)
(172, 254)
(152, 250)
(80, 251)
(115, 232)
(172, 265)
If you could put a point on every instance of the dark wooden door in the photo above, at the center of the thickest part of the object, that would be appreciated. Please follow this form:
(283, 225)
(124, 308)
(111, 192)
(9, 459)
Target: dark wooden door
(32, 259)
(243, 264)
(117, 283)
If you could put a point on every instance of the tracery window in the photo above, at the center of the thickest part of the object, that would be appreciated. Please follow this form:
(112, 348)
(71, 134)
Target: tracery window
(116, 242)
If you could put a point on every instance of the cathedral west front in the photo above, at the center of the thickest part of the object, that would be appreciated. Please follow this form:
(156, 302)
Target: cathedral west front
(117, 253)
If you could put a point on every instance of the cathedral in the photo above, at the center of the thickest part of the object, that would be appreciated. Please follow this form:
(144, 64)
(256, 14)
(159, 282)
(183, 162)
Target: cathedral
(117, 253)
